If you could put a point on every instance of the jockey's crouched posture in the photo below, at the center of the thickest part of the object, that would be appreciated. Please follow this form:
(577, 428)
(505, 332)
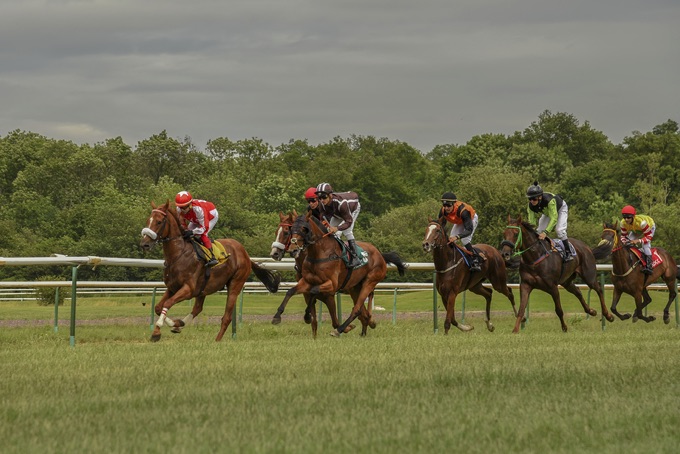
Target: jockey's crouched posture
(198, 217)
(340, 210)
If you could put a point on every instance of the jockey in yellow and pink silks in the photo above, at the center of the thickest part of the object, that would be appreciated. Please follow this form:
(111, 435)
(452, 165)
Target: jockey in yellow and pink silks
(638, 229)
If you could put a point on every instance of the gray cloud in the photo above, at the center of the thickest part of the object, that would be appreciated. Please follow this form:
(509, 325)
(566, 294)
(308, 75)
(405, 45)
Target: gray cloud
(427, 73)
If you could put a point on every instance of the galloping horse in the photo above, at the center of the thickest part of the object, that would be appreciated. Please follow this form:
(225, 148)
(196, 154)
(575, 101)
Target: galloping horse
(627, 275)
(185, 276)
(279, 246)
(324, 273)
(453, 279)
(543, 269)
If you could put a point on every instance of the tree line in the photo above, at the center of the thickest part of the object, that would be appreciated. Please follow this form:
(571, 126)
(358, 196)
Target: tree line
(93, 199)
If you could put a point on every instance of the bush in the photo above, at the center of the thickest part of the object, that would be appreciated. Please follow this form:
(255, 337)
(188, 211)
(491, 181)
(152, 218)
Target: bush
(46, 295)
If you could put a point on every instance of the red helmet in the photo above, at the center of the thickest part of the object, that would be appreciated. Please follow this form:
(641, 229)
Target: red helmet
(183, 199)
(310, 193)
(628, 209)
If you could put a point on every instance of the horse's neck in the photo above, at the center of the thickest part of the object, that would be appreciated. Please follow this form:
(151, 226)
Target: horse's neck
(443, 255)
(532, 250)
(175, 247)
(323, 247)
(622, 258)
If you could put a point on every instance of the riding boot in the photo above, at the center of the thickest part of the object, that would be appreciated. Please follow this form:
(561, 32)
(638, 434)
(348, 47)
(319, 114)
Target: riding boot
(475, 258)
(354, 260)
(567, 251)
(648, 264)
(212, 262)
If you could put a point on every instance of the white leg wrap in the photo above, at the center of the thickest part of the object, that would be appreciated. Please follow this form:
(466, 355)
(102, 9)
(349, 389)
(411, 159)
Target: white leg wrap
(188, 319)
(161, 319)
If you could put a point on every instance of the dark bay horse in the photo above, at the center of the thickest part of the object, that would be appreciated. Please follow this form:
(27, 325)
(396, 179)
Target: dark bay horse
(627, 275)
(185, 276)
(279, 246)
(454, 276)
(324, 272)
(542, 268)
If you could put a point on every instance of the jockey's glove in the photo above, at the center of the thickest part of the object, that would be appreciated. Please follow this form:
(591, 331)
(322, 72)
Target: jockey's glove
(187, 234)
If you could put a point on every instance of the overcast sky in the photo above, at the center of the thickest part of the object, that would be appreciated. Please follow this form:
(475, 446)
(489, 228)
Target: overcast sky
(425, 72)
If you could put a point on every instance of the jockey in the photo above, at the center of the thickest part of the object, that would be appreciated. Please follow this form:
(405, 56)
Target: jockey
(339, 210)
(464, 220)
(313, 202)
(638, 230)
(198, 217)
(547, 211)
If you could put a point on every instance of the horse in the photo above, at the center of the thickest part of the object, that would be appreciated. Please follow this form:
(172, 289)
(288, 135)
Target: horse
(542, 268)
(279, 246)
(628, 276)
(324, 273)
(186, 277)
(452, 279)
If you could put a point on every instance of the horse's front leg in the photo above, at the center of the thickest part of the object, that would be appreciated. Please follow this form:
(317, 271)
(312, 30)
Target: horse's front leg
(615, 302)
(524, 293)
(358, 303)
(233, 291)
(479, 289)
(164, 305)
(195, 310)
(555, 293)
(300, 287)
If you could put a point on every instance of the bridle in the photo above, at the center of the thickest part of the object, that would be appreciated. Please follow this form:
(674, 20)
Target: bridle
(157, 235)
(440, 243)
(618, 245)
(520, 242)
(277, 243)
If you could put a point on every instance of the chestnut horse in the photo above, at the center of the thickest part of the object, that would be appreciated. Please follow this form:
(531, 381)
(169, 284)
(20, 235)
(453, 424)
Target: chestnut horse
(279, 247)
(454, 276)
(542, 268)
(627, 275)
(186, 277)
(324, 272)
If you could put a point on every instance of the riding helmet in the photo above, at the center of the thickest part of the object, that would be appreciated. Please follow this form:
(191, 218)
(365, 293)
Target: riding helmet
(310, 193)
(628, 209)
(534, 190)
(448, 197)
(324, 188)
(183, 199)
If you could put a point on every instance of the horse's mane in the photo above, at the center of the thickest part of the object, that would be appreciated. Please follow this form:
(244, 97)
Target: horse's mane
(530, 227)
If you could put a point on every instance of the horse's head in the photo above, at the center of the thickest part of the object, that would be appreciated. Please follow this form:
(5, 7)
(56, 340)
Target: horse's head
(435, 236)
(512, 237)
(300, 237)
(282, 240)
(159, 225)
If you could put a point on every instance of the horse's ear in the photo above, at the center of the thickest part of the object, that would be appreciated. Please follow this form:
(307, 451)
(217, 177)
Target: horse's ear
(153, 205)
(166, 205)
(429, 219)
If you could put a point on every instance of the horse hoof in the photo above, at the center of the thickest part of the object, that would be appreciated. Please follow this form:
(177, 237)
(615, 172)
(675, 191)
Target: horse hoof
(371, 324)
(176, 330)
(155, 337)
(625, 317)
(490, 327)
(308, 318)
(592, 312)
(276, 321)
(635, 319)
(666, 320)
(349, 328)
(334, 333)
(465, 328)
(649, 319)
(610, 319)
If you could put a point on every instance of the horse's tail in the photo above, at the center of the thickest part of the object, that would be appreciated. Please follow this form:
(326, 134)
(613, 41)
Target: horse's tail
(603, 249)
(270, 279)
(394, 259)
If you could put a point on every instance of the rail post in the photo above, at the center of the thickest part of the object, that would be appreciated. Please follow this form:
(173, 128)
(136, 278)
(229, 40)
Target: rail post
(56, 310)
(603, 320)
(74, 280)
(153, 305)
(394, 308)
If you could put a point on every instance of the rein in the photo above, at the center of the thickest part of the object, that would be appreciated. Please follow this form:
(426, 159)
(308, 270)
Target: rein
(158, 235)
(280, 245)
(440, 244)
(521, 241)
(618, 245)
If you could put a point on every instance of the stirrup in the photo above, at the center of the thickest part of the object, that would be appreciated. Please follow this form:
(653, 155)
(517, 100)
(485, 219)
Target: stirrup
(212, 262)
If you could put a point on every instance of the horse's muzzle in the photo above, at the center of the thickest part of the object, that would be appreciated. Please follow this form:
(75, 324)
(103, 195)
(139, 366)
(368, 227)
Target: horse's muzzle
(427, 247)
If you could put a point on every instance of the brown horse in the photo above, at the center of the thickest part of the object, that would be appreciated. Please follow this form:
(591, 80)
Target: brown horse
(542, 268)
(324, 272)
(452, 278)
(627, 275)
(186, 277)
(279, 246)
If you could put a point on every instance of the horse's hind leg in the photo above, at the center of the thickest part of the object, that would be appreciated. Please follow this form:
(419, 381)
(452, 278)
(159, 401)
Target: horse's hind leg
(233, 290)
(571, 288)
(639, 305)
(555, 293)
(672, 293)
(479, 289)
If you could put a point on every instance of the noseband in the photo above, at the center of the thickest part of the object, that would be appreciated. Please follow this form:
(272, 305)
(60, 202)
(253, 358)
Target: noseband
(157, 235)
(520, 241)
(280, 245)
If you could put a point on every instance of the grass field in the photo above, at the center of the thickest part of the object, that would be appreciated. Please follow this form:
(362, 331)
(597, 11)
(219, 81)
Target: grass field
(275, 389)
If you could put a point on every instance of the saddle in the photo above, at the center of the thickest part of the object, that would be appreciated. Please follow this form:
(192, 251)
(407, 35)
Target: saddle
(363, 255)
(557, 246)
(656, 258)
(217, 249)
(467, 255)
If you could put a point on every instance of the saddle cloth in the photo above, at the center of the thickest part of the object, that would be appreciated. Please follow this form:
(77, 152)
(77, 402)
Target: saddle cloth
(363, 255)
(557, 245)
(656, 258)
(217, 249)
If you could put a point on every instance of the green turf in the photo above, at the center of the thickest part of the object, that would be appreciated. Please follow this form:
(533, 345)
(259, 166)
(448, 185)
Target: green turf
(400, 389)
